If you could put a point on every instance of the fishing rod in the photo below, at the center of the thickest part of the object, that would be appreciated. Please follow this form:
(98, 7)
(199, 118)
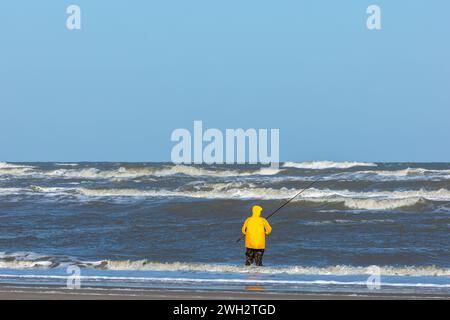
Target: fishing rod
(284, 204)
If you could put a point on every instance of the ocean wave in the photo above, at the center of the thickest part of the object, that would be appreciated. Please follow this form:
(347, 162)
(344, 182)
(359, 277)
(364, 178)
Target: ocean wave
(377, 200)
(383, 204)
(332, 270)
(10, 191)
(196, 171)
(369, 200)
(5, 165)
(319, 165)
(25, 261)
(55, 190)
(25, 264)
(348, 222)
(11, 169)
(136, 172)
(36, 190)
(408, 172)
(70, 171)
(16, 172)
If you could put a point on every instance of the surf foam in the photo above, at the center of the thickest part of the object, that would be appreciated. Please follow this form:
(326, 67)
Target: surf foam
(371, 200)
(319, 165)
(136, 172)
(406, 172)
(376, 200)
(23, 260)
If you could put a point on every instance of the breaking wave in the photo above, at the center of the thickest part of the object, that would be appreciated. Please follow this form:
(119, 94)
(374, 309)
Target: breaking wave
(4, 165)
(332, 270)
(196, 171)
(408, 172)
(14, 169)
(353, 200)
(370, 200)
(10, 191)
(318, 165)
(71, 171)
(25, 260)
(130, 173)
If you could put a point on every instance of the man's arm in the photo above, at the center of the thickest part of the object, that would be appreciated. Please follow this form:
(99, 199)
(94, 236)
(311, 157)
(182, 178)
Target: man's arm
(244, 227)
(267, 227)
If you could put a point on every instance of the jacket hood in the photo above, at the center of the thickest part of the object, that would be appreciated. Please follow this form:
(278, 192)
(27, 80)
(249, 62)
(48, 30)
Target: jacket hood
(256, 210)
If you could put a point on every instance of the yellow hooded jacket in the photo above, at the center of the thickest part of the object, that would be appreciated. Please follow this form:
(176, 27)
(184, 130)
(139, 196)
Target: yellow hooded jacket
(255, 229)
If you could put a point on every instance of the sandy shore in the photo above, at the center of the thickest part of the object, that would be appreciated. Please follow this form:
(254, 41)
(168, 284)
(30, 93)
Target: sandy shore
(19, 292)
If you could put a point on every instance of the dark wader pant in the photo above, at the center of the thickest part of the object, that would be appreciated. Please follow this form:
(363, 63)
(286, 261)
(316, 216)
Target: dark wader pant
(254, 254)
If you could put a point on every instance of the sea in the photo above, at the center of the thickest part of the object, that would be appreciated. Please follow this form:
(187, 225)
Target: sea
(362, 228)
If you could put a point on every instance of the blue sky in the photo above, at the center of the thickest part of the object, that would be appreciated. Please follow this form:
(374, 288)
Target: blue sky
(115, 90)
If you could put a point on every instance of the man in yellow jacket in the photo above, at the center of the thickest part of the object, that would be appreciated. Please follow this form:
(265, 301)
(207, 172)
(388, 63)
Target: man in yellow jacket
(255, 230)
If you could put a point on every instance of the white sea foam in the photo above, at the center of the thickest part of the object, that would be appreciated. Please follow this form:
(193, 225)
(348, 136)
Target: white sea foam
(10, 191)
(5, 165)
(408, 172)
(53, 190)
(318, 165)
(370, 200)
(196, 171)
(15, 172)
(346, 221)
(14, 169)
(66, 171)
(33, 190)
(24, 264)
(376, 200)
(31, 260)
(24, 260)
(384, 204)
(219, 268)
(129, 173)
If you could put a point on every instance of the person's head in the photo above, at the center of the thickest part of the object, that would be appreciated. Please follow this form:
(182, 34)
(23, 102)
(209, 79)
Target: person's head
(256, 211)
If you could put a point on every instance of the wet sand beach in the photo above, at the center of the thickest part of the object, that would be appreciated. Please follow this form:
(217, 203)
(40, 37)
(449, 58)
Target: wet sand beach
(21, 292)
